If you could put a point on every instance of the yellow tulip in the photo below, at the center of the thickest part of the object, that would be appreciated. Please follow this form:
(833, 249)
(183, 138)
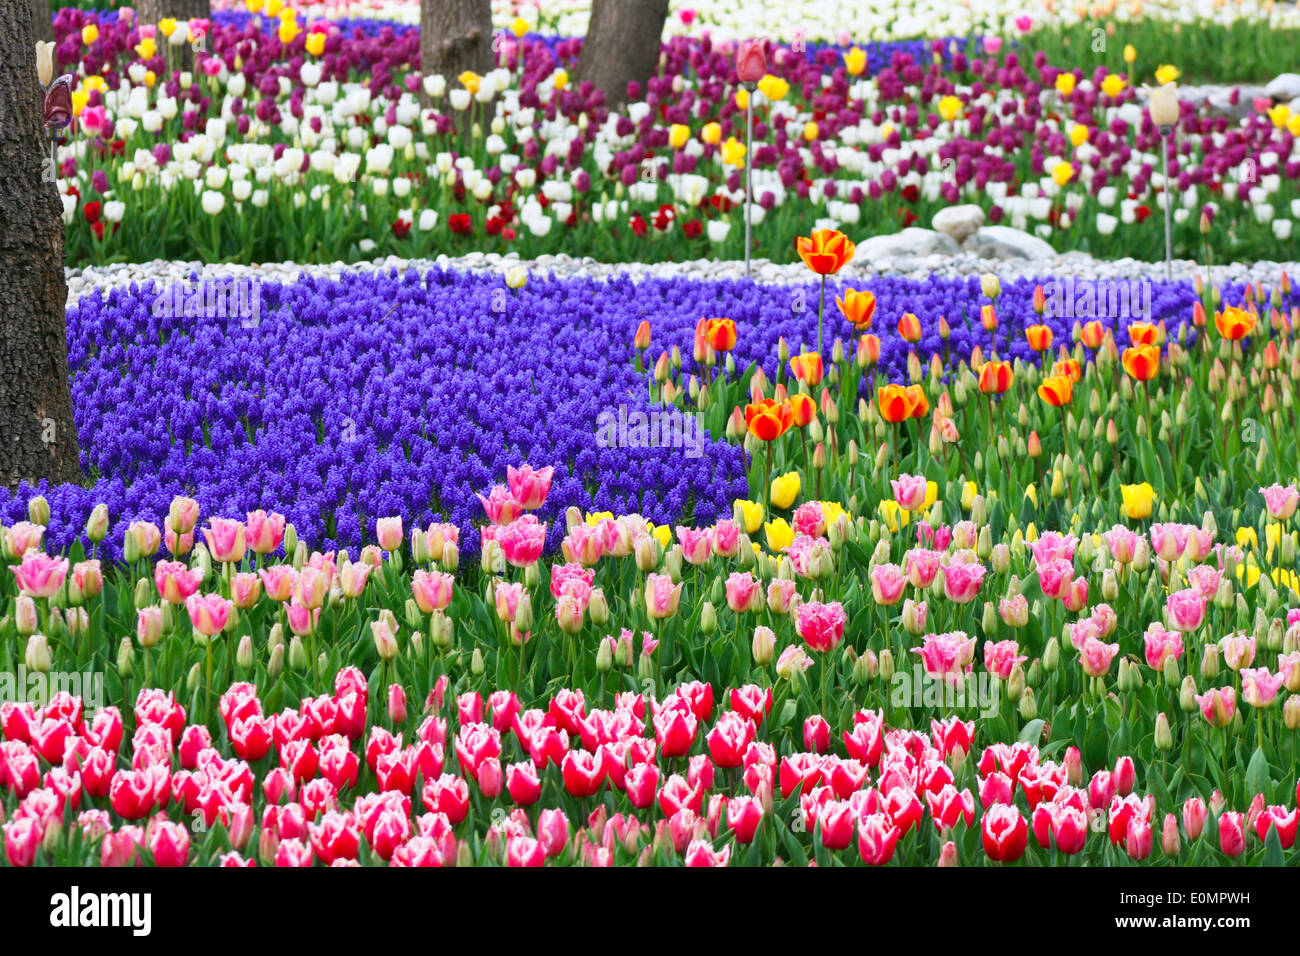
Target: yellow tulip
(1246, 537)
(662, 532)
(810, 131)
(1031, 492)
(1065, 83)
(273, 8)
(150, 78)
(254, 5)
(1293, 125)
(1280, 114)
(712, 133)
(1078, 134)
(1031, 533)
(1167, 74)
(950, 108)
(1063, 173)
(561, 79)
(147, 48)
(470, 80)
(89, 33)
(779, 534)
(968, 492)
(1130, 53)
(519, 27)
(167, 26)
(785, 489)
(855, 61)
(773, 87)
(831, 511)
(894, 517)
(751, 514)
(79, 100)
(1114, 84)
(1137, 500)
(678, 134)
(733, 152)
(596, 517)
(288, 31)
(742, 99)
(316, 43)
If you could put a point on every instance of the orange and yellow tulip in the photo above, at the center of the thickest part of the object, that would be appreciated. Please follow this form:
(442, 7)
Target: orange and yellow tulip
(868, 350)
(807, 368)
(1070, 368)
(721, 334)
(826, 252)
(642, 340)
(1144, 333)
(768, 419)
(918, 402)
(1056, 390)
(894, 404)
(858, 307)
(1093, 334)
(988, 317)
(909, 328)
(1142, 362)
(803, 408)
(1234, 323)
(1039, 337)
(995, 377)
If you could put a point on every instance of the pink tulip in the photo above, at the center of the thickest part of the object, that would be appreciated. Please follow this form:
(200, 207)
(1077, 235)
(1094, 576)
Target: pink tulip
(947, 656)
(877, 837)
(921, 565)
(23, 537)
(751, 60)
(1095, 656)
(39, 575)
(1186, 609)
(279, 581)
(744, 592)
(1161, 645)
(1001, 657)
(1024, 23)
(500, 506)
(1055, 577)
(887, 584)
(696, 544)
(820, 625)
(909, 491)
(433, 590)
(1232, 833)
(1259, 687)
(522, 541)
(1238, 650)
(209, 613)
(961, 582)
(528, 486)
(265, 531)
(226, 539)
(725, 537)
(1122, 542)
(1218, 705)
(388, 532)
(1281, 502)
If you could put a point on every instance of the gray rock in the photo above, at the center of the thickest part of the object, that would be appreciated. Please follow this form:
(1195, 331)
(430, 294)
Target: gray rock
(1003, 242)
(914, 241)
(959, 222)
(1284, 87)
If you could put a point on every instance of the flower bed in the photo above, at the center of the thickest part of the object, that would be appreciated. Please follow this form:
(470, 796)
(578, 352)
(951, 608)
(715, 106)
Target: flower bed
(293, 157)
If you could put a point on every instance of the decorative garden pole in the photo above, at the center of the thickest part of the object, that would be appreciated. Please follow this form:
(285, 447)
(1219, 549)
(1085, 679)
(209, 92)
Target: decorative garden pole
(751, 65)
(1164, 113)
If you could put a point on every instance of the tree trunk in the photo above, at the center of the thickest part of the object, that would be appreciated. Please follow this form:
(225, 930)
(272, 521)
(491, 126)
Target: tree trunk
(455, 36)
(42, 19)
(622, 45)
(37, 436)
(152, 11)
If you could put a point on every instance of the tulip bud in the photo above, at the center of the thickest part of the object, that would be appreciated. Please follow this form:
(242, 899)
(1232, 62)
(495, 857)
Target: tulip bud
(886, 660)
(298, 654)
(1291, 712)
(1051, 655)
(763, 645)
(1210, 663)
(290, 539)
(708, 619)
(38, 510)
(194, 678)
(38, 657)
(1187, 694)
(1164, 736)
(275, 664)
(476, 664)
(1171, 673)
(1028, 708)
(865, 668)
(450, 556)
(244, 655)
(97, 523)
(948, 855)
(25, 616)
(1016, 684)
(598, 607)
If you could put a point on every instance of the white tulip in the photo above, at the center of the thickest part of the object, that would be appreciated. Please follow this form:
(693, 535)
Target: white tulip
(1281, 228)
(236, 85)
(718, 230)
(399, 137)
(540, 225)
(401, 187)
(435, 85)
(1106, 223)
(428, 220)
(311, 73)
(241, 189)
(213, 202)
(260, 198)
(216, 177)
(459, 99)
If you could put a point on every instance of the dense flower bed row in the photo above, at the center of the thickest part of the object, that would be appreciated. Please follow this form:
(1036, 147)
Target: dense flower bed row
(311, 143)
(343, 433)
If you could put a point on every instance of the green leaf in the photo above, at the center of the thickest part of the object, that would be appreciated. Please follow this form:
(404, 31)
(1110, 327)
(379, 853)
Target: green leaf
(1032, 732)
(1257, 774)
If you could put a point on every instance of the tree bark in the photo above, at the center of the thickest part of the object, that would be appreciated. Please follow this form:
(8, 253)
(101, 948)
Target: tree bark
(152, 11)
(455, 36)
(42, 19)
(37, 436)
(622, 45)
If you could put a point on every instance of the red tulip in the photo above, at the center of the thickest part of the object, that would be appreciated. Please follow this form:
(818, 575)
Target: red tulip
(1005, 833)
(877, 837)
(751, 60)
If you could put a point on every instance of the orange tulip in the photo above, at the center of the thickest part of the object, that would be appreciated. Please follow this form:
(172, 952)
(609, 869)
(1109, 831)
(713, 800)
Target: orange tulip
(1056, 390)
(1070, 368)
(1234, 323)
(803, 408)
(768, 420)
(988, 317)
(868, 350)
(1039, 337)
(995, 377)
(916, 399)
(909, 327)
(1040, 300)
(807, 368)
(721, 334)
(894, 404)
(826, 252)
(1143, 333)
(1142, 362)
(642, 340)
(1094, 333)
(858, 308)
